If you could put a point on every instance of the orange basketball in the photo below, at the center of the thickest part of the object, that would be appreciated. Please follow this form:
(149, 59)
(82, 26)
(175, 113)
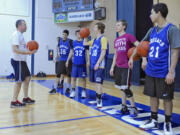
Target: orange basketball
(130, 52)
(84, 32)
(32, 45)
(143, 49)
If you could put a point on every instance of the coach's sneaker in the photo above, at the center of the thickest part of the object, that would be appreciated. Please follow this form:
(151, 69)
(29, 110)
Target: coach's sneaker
(133, 112)
(28, 101)
(150, 124)
(168, 129)
(72, 95)
(83, 94)
(17, 104)
(99, 103)
(53, 91)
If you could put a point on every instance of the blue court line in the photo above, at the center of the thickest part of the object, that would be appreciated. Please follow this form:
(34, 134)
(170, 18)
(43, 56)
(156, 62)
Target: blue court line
(50, 122)
(12, 81)
(109, 100)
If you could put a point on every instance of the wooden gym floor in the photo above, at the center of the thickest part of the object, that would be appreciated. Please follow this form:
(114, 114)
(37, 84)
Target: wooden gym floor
(59, 115)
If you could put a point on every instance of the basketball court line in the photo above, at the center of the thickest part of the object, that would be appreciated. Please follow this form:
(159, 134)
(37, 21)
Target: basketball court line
(50, 122)
(110, 104)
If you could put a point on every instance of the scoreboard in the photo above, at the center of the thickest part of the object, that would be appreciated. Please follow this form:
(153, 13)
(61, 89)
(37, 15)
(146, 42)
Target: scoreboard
(60, 6)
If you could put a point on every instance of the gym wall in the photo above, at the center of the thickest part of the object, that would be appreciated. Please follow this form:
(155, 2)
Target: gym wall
(10, 11)
(109, 22)
(173, 15)
(46, 32)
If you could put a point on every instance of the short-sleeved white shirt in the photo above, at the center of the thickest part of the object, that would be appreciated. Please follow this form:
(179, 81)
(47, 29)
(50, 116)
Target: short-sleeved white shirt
(18, 39)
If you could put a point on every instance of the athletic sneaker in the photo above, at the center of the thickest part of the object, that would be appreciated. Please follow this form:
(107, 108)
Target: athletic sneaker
(68, 91)
(60, 86)
(99, 103)
(124, 110)
(133, 112)
(83, 94)
(168, 129)
(72, 95)
(28, 101)
(53, 91)
(17, 104)
(150, 124)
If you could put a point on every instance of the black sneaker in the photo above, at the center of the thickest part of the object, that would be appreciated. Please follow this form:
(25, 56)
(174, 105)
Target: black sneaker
(53, 91)
(28, 101)
(17, 104)
(60, 86)
(124, 110)
(99, 103)
(68, 91)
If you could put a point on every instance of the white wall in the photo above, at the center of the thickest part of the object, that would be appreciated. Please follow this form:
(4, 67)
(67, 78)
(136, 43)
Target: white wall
(46, 32)
(10, 11)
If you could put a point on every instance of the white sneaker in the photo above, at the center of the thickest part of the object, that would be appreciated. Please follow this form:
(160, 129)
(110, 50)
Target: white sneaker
(83, 94)
(72, 95)
(99, 103)
(92, 102)
(133, 112)
(151, 124)
(168, 129)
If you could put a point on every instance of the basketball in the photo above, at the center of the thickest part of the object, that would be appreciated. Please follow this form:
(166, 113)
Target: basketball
(32, 45)
(143, 49)
(130, 52)
(84, 32)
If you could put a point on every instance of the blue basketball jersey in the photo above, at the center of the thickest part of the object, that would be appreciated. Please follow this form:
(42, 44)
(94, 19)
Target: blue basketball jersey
(96, 52)
(159, 55)
(79, 53)
(64, 49)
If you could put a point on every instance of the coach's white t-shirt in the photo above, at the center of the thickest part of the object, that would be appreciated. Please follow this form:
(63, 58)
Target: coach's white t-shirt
(18, 39)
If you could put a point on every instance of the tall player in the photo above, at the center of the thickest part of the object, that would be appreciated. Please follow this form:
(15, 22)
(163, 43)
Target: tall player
(80, 53)
(160, 69)
(120, 68)
(98, 54)
(64, 49)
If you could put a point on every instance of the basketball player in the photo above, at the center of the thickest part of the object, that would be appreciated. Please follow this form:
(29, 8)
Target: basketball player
(56, 61)
(160, 69)
(98, 55)
(64, 49)
(120, 69)
(79, 52)
(18, 61)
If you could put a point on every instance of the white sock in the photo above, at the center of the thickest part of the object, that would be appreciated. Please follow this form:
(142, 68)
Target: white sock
(68, 85)
(55, 86)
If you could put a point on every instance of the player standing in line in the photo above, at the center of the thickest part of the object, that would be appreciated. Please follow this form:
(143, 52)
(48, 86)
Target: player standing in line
(163, 56)
(64, 49)
(80, 53)
(99, 49)
(120, 69)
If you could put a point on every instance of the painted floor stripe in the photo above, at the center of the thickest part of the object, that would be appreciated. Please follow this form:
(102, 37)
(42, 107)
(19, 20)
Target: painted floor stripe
(111, 102)
(50, 122)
